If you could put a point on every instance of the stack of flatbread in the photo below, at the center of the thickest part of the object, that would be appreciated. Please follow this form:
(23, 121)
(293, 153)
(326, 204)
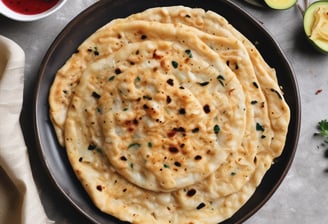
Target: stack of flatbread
(169, 116)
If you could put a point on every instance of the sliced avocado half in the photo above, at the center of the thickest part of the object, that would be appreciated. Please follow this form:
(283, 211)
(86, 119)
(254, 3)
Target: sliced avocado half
(280, 4)
(316, 25)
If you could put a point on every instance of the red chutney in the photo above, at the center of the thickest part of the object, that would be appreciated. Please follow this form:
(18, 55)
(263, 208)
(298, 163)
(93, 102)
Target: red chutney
(29, 7)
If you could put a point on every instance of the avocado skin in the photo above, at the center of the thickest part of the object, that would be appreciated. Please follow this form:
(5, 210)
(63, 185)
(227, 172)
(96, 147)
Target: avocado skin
(308, 15)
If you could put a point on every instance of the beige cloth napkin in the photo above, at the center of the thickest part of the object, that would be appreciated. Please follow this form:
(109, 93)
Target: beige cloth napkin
(19, 199)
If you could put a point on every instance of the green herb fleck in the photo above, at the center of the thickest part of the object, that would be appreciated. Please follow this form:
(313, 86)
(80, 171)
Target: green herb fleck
(99, 110)
(147, 97)
(94, 50)
(138, 79)
(92, 147)
(259, 127)
(150, 145)
(233, 173)
(100, 150)
(175, 64)
(111, 78)
(204, 83)
(216, 129)
(188, 52)
(323, 128)
(125, 109)
(96, 95)
(134, 145)
(200, 206)
(166, 165)
(220, 78)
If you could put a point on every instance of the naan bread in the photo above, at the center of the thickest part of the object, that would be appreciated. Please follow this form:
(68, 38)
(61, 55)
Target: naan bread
(169, 116)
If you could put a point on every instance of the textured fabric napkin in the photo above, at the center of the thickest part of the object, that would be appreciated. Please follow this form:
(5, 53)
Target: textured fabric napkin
(19, 199)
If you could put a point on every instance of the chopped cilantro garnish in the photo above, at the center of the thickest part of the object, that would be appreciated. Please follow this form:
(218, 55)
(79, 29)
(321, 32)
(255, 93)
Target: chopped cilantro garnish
(216, 129)
(323, 128)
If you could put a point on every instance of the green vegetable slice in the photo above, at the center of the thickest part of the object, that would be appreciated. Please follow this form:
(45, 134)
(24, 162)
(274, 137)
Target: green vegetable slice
(280, 4)
(316, 25)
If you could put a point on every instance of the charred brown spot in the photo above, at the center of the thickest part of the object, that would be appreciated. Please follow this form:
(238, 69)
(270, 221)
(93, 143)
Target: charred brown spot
(191, 192)
(182, 111)
(207, 109)
(178, 164)
(118, 71)
(173, 150)
(179, 129)
(168, 99)
(195, 130)
(157, 56)
(96, 95)
(170, 82)
(143, 36)
(198, 157)
(123, 158)
(171, 134)
(99, 188)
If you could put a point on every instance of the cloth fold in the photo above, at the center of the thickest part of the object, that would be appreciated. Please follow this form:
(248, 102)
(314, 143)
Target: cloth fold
(19, 199)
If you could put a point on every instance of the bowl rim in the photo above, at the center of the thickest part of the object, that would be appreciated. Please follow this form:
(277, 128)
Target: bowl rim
(11, 14)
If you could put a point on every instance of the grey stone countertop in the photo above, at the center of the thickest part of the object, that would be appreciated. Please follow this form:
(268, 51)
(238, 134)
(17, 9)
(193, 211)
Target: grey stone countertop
(302, 196)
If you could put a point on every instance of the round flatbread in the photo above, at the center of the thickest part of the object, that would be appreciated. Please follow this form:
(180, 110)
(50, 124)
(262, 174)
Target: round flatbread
(169, 116)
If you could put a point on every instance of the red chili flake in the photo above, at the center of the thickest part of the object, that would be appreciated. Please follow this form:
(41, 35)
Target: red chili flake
(318, 91)
(171, 134)
(157, 56)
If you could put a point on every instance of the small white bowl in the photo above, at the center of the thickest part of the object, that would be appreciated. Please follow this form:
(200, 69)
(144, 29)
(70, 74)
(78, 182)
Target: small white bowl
(6, 11)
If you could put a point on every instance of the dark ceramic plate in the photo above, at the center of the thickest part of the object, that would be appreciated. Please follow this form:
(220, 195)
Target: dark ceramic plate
(99, 14)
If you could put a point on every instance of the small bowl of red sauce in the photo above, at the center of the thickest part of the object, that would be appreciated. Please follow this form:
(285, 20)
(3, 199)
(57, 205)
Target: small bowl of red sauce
(29, 10)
